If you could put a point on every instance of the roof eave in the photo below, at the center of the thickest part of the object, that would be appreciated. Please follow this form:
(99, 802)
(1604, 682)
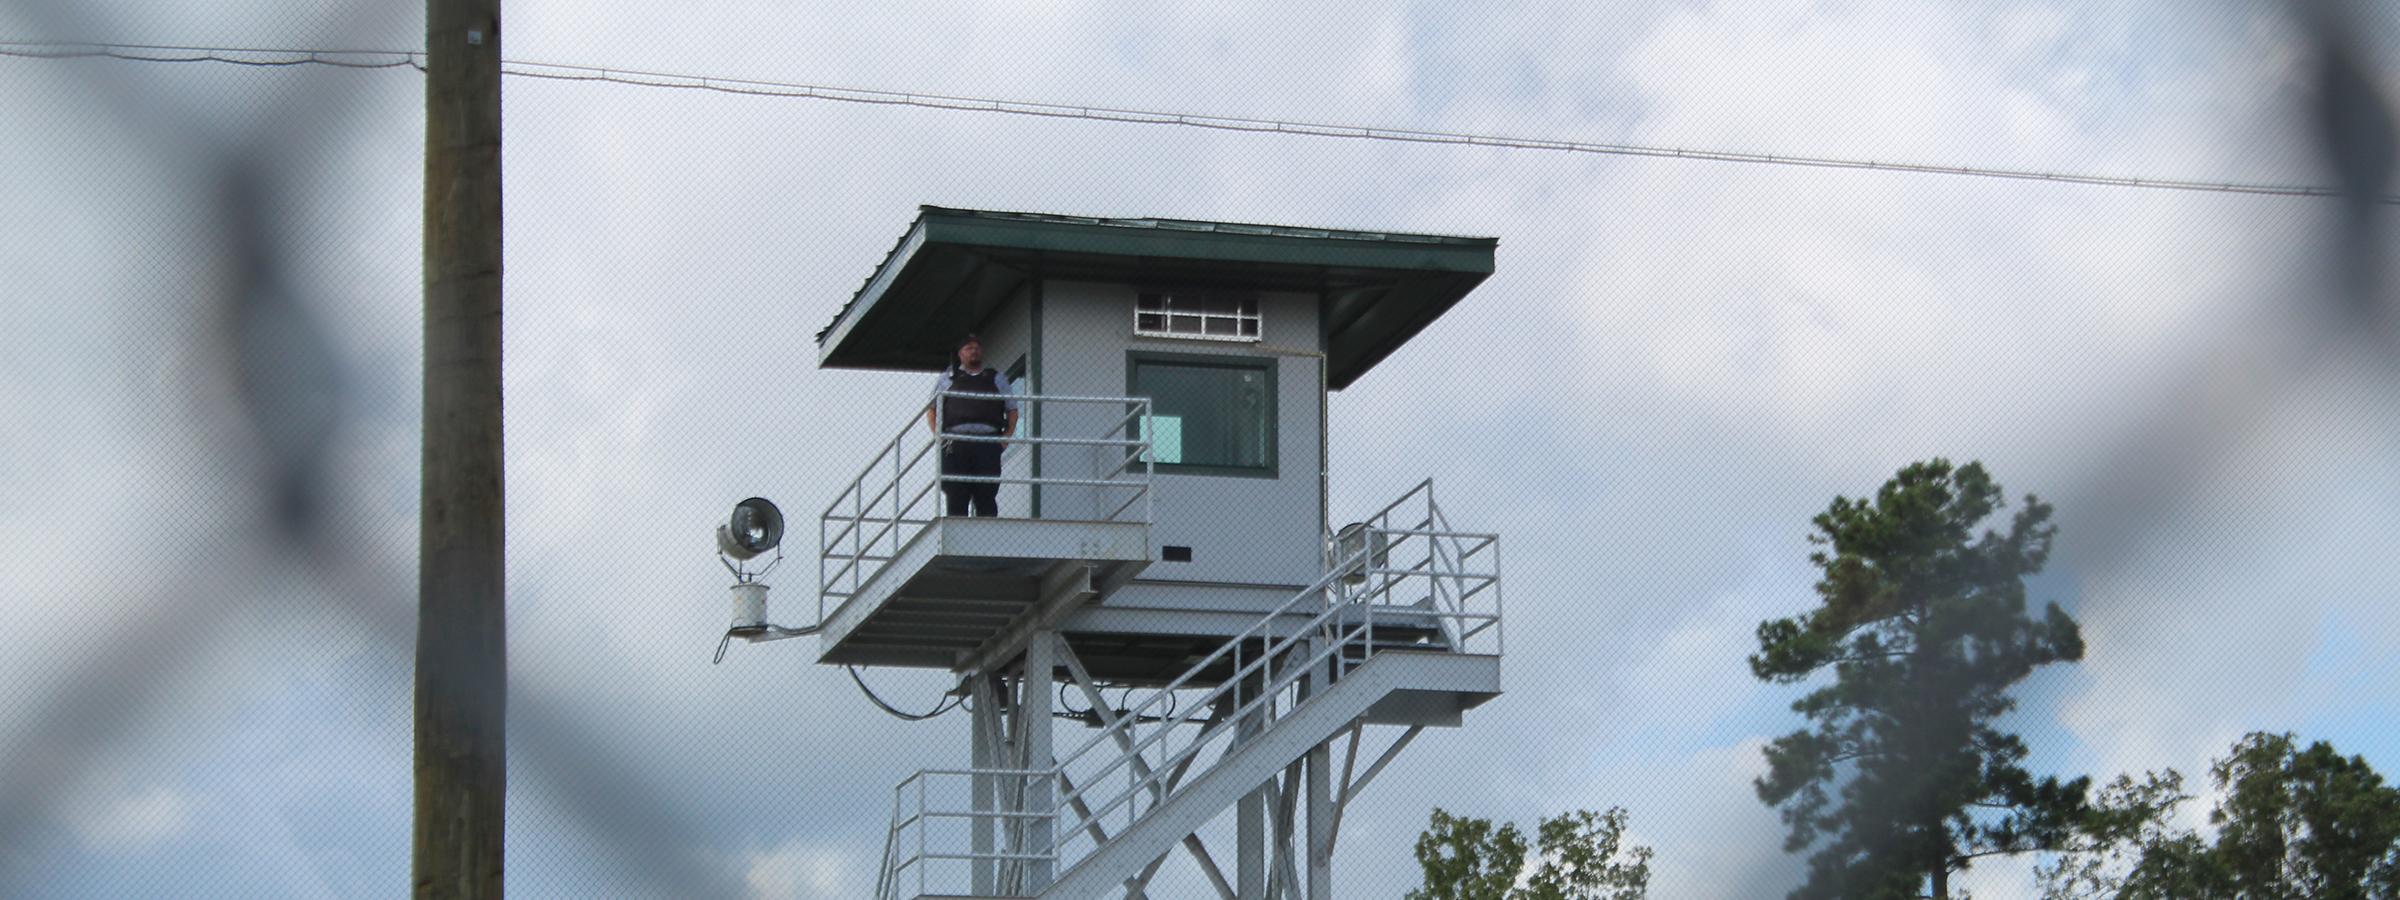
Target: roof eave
(1420, 277)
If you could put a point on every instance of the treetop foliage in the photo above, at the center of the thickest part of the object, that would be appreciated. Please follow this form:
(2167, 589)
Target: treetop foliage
(1580, 857)
(1922, 625)
(2293, 823)
(1468, 859)
(1904, 557)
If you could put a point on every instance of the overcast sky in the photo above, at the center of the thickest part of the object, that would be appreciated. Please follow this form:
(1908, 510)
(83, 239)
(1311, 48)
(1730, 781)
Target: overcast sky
(1676, 364)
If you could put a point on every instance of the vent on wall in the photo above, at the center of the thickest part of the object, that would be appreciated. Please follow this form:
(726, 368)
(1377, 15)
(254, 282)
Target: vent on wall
(1175, 554)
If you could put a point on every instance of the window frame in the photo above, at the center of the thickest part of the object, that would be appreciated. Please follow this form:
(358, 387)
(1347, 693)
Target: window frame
(1256, 317)
(1015, 373)
(1274, 406)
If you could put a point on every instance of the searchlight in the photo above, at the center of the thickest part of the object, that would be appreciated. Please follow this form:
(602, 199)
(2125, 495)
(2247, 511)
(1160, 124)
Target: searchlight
(755, 529)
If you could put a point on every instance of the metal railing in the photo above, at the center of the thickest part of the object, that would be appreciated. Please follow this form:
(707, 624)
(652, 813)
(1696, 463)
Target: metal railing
(1443, 594)
(996, 802)
(1445, 557)
(1459, 573)
(897, 494)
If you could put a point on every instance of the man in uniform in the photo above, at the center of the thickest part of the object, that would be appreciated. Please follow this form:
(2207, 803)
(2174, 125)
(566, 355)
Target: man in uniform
(996, 416)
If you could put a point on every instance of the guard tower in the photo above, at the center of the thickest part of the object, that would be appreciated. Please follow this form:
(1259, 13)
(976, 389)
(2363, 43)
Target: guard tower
(1163, 624)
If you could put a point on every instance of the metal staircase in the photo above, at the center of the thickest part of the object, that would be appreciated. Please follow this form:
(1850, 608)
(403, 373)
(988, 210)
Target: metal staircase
(1250, 726)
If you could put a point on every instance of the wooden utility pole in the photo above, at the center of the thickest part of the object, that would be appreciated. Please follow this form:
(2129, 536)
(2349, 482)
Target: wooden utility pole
(462, 646)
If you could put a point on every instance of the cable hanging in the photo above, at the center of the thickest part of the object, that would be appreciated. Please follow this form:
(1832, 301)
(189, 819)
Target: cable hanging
(345, 59)
(387, 59)
(938, 708)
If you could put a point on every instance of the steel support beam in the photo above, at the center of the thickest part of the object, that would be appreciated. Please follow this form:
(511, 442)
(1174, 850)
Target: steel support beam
(1319, 857)
(1245, 768)
(1351, 790)
(985, 739)
(1208, 866)
(1340, 800)
(1320, 822)
(1250, 812)
(1284, 877)
(1063, 591)
(1034, 706)
(1135, 886)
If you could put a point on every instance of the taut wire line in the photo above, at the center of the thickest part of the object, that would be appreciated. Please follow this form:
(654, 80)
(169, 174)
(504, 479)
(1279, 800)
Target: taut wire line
(387, 59)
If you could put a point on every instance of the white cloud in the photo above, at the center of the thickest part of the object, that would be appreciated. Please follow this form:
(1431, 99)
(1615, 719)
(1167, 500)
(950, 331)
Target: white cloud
(107, 817)
(796, 871)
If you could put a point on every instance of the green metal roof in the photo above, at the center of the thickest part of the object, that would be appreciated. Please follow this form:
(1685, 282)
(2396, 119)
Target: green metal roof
(955, 267)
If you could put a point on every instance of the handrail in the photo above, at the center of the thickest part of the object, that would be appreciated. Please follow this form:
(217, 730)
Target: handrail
(1275, 682)
(1337, 621)
(918, 816)
(886, 505)
(1272, 649)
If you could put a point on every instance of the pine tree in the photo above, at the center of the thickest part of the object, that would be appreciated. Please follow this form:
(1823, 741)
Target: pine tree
(1922, 627)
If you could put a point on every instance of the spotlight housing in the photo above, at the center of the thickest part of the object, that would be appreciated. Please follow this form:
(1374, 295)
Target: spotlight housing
(756, 527)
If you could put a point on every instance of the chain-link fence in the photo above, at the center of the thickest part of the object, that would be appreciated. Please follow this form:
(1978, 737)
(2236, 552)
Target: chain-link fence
(211, 371)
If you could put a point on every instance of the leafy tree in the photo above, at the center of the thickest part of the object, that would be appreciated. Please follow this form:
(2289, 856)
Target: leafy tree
(2293, 824)
(1468, 859)
(1579, 860)
(2125, 820)
(1923, 628)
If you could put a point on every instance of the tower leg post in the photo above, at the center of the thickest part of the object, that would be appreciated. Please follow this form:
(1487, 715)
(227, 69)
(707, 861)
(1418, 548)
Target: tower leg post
(1250, 812)
(984, 722)
(1034, 703)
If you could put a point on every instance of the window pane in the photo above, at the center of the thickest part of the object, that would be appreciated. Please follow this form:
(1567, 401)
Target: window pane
(1166, 438)
(1220, 413)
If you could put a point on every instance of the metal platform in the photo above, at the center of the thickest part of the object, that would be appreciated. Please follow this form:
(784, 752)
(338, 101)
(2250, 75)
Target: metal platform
(964, 585)
(918, 589)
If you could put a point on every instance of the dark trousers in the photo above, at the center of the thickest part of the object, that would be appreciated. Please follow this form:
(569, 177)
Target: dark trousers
(976, 458)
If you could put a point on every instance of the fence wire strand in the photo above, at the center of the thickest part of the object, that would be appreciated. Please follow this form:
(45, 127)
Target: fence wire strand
(286, 538)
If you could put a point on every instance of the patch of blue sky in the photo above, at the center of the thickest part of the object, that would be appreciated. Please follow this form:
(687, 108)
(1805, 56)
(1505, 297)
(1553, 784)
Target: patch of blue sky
(2349, 684)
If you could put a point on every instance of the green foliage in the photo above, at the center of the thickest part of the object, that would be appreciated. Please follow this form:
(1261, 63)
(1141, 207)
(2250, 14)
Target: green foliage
(2293, 824)
(1579, 860)
(1468, 859)
(2124, 819)
(1922, 626)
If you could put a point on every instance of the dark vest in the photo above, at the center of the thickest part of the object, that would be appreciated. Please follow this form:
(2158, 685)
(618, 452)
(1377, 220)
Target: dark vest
(958, 411)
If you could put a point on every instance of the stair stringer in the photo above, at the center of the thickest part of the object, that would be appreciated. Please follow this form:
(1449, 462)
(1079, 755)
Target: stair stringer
(1246, 767)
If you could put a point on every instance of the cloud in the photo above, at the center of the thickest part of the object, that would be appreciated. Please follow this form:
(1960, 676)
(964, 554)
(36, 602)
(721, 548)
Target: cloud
(107, 818)
(1709, 841)
(796, 871)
